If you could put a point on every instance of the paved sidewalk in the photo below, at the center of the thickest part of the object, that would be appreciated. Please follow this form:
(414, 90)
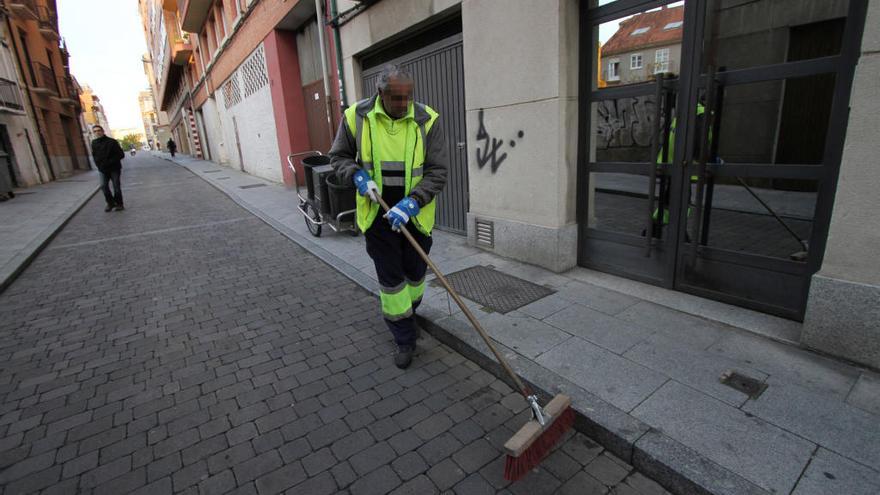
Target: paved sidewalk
(36, 213)
(184, 346)
(643, 365)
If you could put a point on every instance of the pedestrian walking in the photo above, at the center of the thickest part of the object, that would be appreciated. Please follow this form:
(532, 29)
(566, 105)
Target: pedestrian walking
(394, 147)
(108, 157)
(172, 147)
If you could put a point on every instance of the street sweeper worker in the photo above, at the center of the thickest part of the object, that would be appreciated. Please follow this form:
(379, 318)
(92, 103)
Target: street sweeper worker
(392, 147)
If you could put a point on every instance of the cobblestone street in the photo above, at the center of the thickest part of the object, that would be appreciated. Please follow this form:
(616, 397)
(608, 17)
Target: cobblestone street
(184, 346)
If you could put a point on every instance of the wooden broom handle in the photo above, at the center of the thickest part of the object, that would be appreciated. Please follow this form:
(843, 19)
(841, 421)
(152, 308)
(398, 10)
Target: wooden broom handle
(467, 312)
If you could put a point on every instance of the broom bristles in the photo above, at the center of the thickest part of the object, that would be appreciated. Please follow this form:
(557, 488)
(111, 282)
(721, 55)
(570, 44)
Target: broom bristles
(516, 467)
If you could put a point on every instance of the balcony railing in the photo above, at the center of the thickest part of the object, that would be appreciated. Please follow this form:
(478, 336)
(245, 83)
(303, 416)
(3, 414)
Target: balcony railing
(45, 79)
(23, 9)
(181, 50)
(10, 96)
(66, 91)
(48, 23)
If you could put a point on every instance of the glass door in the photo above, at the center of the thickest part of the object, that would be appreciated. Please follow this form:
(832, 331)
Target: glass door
(626, 184)
(769, 105)
(711, 133)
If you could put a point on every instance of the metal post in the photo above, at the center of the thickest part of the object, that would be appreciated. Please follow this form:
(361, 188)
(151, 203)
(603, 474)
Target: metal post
(327, 106)
(340, 73)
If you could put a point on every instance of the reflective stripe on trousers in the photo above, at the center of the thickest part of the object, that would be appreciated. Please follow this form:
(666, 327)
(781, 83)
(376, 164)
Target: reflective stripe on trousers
(401, 274)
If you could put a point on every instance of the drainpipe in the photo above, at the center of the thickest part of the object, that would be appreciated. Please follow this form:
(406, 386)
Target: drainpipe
(319, 12)
(336, 41)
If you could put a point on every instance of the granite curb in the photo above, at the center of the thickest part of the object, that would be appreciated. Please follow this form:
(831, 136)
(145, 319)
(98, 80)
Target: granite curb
(678, 468)
(15, 266)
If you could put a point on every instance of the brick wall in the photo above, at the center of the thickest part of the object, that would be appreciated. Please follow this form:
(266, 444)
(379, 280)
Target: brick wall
(261, 21)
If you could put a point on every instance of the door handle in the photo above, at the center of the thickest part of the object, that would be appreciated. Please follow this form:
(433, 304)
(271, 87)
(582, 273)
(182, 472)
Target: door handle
(652, 173)
(702, 168)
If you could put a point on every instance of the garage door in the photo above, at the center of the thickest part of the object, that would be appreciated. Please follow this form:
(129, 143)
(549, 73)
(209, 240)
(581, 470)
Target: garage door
(438, 70)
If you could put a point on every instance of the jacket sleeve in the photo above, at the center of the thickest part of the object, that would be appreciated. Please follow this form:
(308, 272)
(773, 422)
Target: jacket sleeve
(435, 168)
(343, 153)
(118, 154)
(96, 152)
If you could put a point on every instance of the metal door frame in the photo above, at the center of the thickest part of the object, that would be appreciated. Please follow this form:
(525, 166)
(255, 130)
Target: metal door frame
(658, 268)
(691, 81)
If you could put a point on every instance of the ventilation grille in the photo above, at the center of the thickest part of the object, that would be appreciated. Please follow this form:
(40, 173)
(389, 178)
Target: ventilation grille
(247, 80)
(253, 72)
(485, 231)
(231, 91)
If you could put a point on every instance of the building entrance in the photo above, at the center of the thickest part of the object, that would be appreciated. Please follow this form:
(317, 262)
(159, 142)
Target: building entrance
(711, 136)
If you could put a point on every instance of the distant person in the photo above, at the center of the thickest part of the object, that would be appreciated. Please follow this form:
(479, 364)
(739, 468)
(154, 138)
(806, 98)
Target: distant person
(108, 157)
(132, 151)
(172, 147)
(6, 191)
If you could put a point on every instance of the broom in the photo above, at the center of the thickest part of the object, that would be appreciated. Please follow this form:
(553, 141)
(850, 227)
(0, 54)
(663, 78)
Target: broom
(537, 437)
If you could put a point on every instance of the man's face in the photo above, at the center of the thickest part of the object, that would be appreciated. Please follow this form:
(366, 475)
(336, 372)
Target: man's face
(397, 96)
(98, 131)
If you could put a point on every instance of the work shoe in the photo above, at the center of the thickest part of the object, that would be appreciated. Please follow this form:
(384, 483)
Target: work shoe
(108, 208)
(119, 207)
(404, 355)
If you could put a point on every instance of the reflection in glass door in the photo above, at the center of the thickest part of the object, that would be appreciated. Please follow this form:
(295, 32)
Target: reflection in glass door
(710, 156)
(760, 166)
(627, 180)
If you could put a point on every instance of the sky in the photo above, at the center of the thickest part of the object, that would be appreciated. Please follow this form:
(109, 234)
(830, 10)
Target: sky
(106, 42)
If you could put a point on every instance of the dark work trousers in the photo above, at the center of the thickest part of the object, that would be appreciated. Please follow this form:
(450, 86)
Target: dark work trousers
(396, 262)
(114, 199)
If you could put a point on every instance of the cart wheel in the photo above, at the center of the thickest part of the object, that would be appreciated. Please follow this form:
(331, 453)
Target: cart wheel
(312, 213)
(354, 232)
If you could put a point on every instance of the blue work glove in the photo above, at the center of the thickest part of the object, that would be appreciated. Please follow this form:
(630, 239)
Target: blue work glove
(365, 185)
(401, 213)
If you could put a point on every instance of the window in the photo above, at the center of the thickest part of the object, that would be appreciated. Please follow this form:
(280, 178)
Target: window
(613, 72)
(661, 60)
(672, 25)
(640, 31)
(635, 61)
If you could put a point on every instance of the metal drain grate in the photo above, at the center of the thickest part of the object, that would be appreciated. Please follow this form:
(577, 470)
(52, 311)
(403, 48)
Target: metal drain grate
(222, 178)
(747, 385)
(212, 171)
(495, 290)
(251, 186)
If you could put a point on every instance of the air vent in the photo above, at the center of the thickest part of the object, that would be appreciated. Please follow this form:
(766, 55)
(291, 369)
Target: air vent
(485, 231)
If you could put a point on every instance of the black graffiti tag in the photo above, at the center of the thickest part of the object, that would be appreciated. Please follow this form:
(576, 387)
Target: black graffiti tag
(489, 153)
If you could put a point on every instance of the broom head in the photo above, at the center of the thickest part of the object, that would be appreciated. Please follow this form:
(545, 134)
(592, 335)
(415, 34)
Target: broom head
(533, 442)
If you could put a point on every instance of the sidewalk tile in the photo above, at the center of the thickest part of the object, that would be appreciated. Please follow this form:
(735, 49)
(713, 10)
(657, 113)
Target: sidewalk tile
(866, 393)
(619, 381)
(699, 369)
(830, 473)
(821, 419)
(604, 300)
(598, 328)
(760, 451)
(678, 326)
(787, 364)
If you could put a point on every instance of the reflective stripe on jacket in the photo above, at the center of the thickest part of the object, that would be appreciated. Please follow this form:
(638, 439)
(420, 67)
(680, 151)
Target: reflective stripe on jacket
(369, 139)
